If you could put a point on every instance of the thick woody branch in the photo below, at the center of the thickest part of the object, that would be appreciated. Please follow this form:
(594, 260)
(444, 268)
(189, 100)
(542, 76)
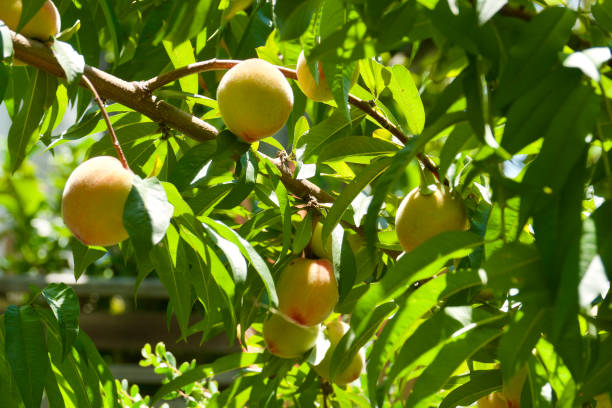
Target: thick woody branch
(137, 97)
(108, 86)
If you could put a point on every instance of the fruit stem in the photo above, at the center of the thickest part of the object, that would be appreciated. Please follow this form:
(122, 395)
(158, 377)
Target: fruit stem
(111, 131)
(426, 187)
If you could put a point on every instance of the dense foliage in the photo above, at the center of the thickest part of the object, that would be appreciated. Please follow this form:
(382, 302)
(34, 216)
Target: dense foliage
(505, 103)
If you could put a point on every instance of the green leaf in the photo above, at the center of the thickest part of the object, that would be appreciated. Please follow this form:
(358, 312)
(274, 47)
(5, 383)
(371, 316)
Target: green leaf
(481, 383)
(412, 308)
(293, 17)
(84, 256)
(88, 351)
(458, 349)
(169, 263)
(181, 55)
(147, 213)
(516, 345)
(356, 149)
(221, 365)
(71, 61)
(324, 132)
(65, 306)
(23, 132)
(350, 192)
(357, 336)
(424, 262)
(302, 234)
(26, 352)
(247, 250)
(603, 14)
(284, 203)
(232, 253)
(407, 97)
(535, 52)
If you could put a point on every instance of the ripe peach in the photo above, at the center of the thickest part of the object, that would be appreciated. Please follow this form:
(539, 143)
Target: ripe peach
(307, 290)
(286, 339)
(317, 92)
(494, 400)
(45, 23)
(512, 390)
(93, 201)
(334, 332)
(255, 99)
(421, 217)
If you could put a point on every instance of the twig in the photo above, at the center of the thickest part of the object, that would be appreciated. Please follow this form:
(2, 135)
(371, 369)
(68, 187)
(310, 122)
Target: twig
(195, 68)
(215, 64)
(111, 131)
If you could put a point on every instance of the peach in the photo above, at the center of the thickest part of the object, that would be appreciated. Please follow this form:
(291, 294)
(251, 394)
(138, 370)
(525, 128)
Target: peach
(334, 332)
(307, 290)
(255, 99)
(493, 400)
(317, 92)
(44, 24)
(93, 201)
(421, 217)
(286, 339)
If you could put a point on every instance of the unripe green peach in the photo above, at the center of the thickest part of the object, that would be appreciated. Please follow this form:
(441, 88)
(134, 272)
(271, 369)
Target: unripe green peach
(421, 217)
(316, 243)
(255, 99)
(317, 92)
(93, 201)
(493, 400)
(44, 24)
(307, 290)
(286, 339)
(334, 332)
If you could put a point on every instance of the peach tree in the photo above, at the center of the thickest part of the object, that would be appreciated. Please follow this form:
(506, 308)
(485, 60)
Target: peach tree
(265, 196)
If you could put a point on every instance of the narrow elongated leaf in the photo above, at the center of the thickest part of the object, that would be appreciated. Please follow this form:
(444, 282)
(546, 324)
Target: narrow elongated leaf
(147, 213)
(356, 148)
(232, 253)
(65, 306)
(424, 262)
(84, 255)
(88, 351)
(415, 305)
(221, 365)
(23, 132)
(324, 132)
(247, 250)
(457, 350)
(407, 96)
(535, 52)
(172, 273)
(365, 177)
(481, 383)
(26, 352)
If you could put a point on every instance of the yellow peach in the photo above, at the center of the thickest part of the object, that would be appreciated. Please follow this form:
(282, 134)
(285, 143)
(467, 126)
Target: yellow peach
(317, 92)
(93, 201)
(44, 24)
(255, 99)
(334, 332)
(421, 217)
(286, 339)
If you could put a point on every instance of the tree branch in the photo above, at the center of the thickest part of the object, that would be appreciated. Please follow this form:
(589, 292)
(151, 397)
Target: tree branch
(136, 95)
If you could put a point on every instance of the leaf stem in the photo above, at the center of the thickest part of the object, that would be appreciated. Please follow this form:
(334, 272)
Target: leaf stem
(111, 131)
